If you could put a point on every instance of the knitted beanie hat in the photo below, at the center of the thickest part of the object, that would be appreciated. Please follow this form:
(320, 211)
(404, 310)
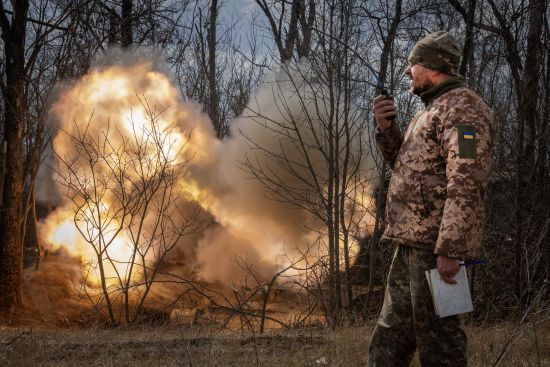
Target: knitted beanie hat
(439, 51)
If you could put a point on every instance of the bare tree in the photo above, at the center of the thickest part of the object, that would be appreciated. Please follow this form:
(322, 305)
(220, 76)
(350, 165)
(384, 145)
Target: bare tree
(524, 67)
(219, 66)
(15, 110)
(124, 196)
(126, 24)
(28, 38)
(321, 165)
(298, 22)
(388, 36)
(212, 77)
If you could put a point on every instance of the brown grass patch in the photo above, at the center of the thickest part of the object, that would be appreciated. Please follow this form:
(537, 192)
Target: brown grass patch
(177, 346)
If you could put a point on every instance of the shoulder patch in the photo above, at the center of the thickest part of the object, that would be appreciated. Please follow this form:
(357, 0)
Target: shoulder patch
(467, 141)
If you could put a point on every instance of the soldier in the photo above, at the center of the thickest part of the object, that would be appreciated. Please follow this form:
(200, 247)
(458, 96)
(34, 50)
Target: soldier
(435, 204)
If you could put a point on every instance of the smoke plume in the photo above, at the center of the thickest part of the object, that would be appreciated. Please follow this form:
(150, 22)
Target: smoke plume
(233, 186)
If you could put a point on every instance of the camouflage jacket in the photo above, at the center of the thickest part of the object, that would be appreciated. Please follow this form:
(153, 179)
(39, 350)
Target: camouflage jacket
(440, 173)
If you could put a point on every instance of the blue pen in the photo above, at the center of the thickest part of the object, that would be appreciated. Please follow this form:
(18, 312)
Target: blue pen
(473, 262)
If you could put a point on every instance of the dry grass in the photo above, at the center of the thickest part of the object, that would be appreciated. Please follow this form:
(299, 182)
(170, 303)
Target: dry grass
(50, 302)
(177, 346)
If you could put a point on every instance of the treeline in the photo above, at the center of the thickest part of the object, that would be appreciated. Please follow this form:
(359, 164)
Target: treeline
(218, 53)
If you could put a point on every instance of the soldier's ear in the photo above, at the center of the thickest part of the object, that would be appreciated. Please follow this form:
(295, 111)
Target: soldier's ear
(437, 76)
(432, 73)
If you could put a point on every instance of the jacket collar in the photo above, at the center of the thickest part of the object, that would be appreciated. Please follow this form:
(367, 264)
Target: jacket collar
(442, 88)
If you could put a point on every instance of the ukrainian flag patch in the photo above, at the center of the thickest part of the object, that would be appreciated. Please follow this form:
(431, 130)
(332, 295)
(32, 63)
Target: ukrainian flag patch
(467, 141)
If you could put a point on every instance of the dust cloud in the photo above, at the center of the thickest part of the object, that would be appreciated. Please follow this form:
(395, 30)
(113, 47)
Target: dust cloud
(244, 226)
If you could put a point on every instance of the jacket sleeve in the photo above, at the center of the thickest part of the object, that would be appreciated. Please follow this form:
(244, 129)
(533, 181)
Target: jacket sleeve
(466, 141)
(389, 141)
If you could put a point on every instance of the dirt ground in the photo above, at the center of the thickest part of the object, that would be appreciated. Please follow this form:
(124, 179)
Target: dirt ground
(57, 331)
(201, 346)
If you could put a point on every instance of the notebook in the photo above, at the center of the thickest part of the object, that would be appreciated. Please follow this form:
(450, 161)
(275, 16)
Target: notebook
(450, 299)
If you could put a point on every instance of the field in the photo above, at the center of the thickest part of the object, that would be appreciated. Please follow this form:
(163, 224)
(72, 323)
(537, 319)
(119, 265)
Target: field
(58, 329)
(201, 346)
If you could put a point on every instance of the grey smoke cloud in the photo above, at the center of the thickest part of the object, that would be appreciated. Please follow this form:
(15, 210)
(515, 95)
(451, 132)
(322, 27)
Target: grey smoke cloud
(283, 131)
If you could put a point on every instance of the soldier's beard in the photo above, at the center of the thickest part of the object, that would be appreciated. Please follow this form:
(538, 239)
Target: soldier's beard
(424, 87)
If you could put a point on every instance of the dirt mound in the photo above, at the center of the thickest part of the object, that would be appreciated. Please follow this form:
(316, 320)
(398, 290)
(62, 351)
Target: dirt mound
(52, 294)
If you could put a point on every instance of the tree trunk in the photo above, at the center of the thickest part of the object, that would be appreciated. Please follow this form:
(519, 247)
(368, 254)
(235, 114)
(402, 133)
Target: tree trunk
(114, 26)
(343, 134)
(468, 49)
(213, 103)
(292, 35)
(126, 24)
(544, 134)
(11, 247)
(384, 61)
(527, 117)
(307, 26)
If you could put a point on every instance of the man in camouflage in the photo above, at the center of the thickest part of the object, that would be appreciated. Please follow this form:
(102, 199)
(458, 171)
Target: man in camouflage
(435, 204)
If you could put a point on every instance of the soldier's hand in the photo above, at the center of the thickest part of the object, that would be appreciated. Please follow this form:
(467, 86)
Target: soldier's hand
(384, 109)
(448, 267)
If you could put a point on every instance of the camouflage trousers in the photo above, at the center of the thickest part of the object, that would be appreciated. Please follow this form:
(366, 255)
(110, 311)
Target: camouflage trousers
(407, 321)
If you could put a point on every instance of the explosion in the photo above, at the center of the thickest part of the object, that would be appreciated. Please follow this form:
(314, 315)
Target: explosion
(143, 178)
(118, 153)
